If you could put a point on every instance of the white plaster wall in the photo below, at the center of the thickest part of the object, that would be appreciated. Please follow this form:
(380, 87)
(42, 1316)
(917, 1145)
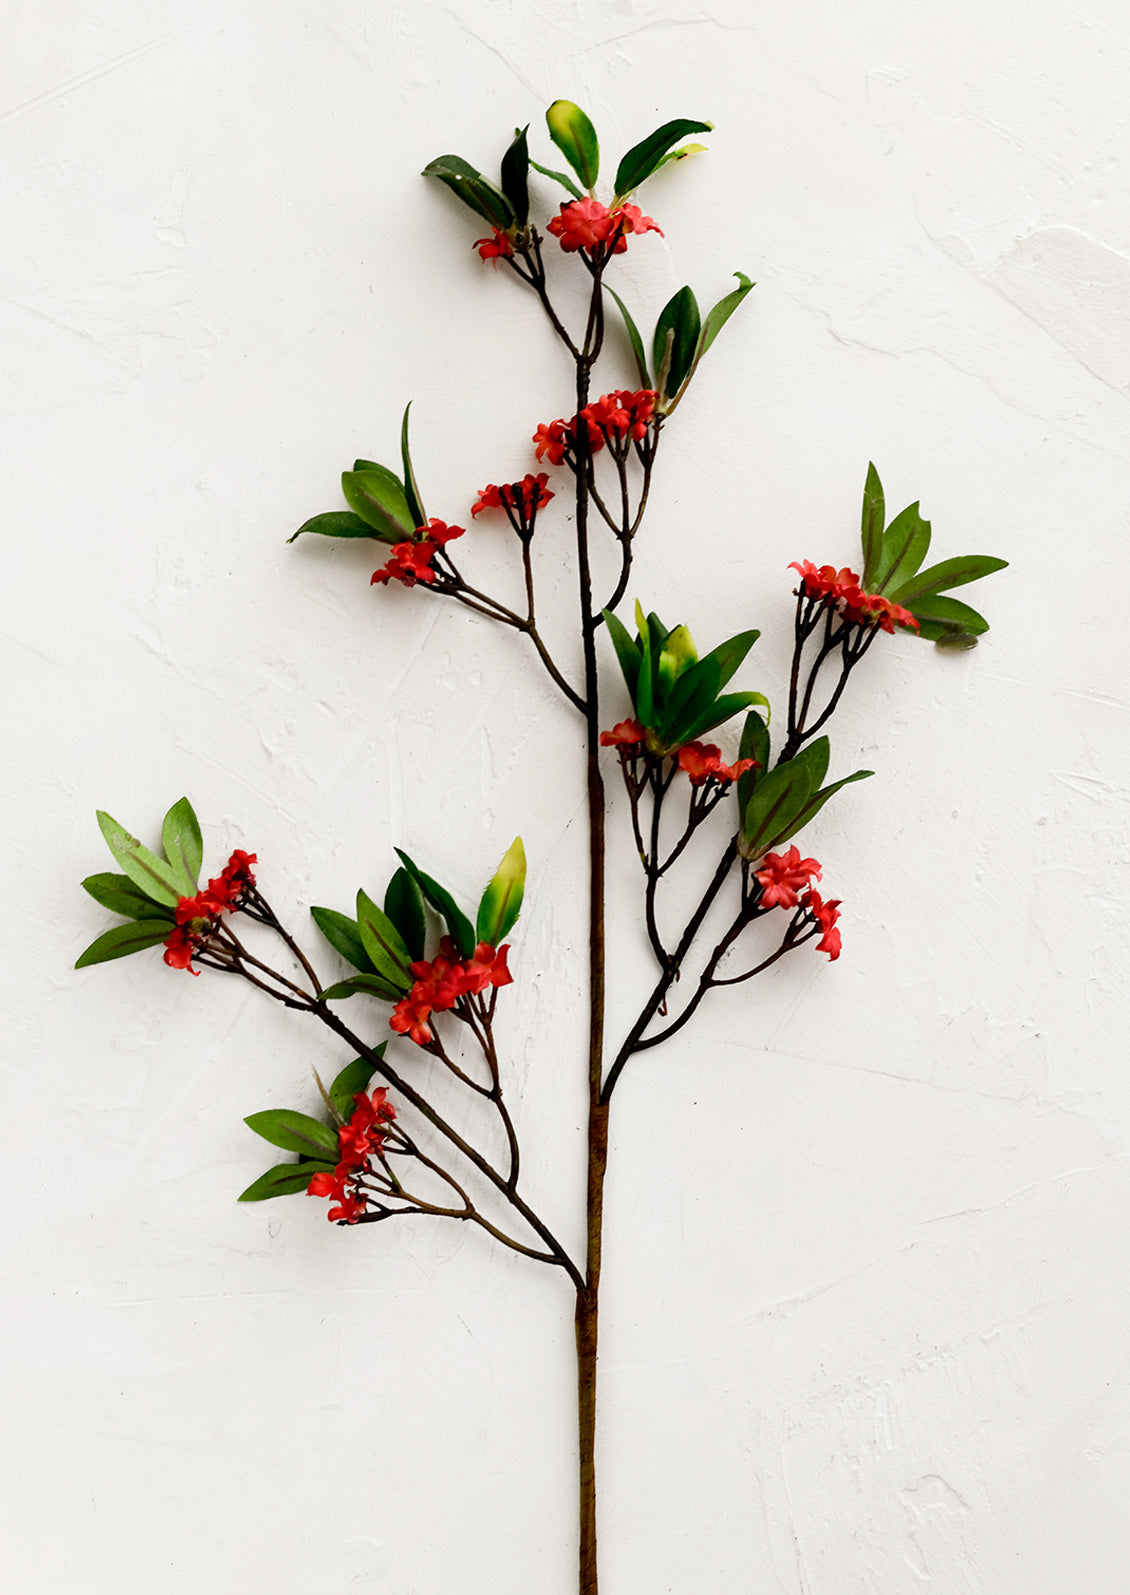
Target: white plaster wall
(866, 1289)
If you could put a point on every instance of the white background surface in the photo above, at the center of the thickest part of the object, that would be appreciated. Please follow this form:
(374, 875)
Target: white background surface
(866, 1296)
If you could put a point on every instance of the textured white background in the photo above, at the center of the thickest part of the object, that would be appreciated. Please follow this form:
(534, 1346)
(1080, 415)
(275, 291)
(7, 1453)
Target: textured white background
(866, 1295)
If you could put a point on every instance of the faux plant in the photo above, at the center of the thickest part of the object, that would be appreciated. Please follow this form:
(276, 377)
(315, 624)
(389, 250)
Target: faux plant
(424, 973)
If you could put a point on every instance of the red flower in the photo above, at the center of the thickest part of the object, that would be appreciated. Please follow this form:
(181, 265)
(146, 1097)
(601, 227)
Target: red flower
(411, 562)
(841, 588)
(179, 949)
(634, 222)
(486, 967)
(703, 761)
(587, 224)
(825, 915)
(783, 875)
(441, 982)
(525, 498)
(552, 442)
(496, 247)
(621, 414)
(629, 734)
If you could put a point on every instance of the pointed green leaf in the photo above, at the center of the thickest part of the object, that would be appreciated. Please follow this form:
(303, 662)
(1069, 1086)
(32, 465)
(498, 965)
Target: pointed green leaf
(815, 758)
(476, 191)
(645, 708)
(946, 619)
(681, 154)
(559, 177)
(754, 745)
(501, 903)
(344, 937)
(353, 1078)
(124, 940)
(818, 799)
(627, 651)
(361, 985)
(905, 545)
(460, 927)
(679, 315)
(940, 578)
(338, 523)
(731, 653)
(121, 896)
(379, 499)
(285, 1179)
(182, 842)
(647, 156)
(575, 136)
(721, 710)
(411, 490)
(515, 176)
(777, 799)
(717, 318)
(405, 907)
(383, 943)
(692, 699)
(874, 520)
(633, 338)
(296, 1132)
(156, 879)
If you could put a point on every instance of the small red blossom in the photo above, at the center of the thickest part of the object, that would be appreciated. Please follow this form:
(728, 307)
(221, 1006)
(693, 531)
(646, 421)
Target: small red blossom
(443, 981)
(783, 876)
(587, 224)
(358, 1140)
(497, 247)
(841, 588)
(551, 442)
(621, 414)
(196, 916)
(411, 562)
(525, 498)
(629, 733)
(702, 761)
(825, 915)
(179, 948)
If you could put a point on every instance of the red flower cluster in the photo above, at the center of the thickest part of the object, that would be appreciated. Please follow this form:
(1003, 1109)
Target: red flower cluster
(587, 224)
(825, 915)
(197, 916)
(611, 419)
(443, 981)
(841, 589)
(523, 498)
(358, 1140)
(412, 562)
(497, 247)
(702, 762)
(628, 734)
(783, 876)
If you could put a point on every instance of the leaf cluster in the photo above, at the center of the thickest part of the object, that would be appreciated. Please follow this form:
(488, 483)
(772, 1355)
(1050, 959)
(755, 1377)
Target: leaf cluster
(774, 804)
(147, 892)
(382, 505)
(315, 1142)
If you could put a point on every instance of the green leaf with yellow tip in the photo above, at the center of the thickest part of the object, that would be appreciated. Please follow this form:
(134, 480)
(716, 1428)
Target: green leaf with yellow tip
(575, 136)
(501, 903)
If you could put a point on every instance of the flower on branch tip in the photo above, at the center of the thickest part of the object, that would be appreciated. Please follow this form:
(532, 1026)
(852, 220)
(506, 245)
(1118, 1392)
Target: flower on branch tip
(523, 498)
(702, 762)
(841, 589)
(621, 414)
(358, 1140)
(442, 982)
(587, 224)
(783, 876)
(196, 916)
(825, 915)
(628, 734)
(411, 562)
(497, 247)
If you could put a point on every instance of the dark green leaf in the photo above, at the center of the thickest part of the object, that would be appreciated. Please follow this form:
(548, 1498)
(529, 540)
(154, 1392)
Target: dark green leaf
(476, 191)
(121, 896)
(353, 1078)
(874, 520)
(776, 800)
(722, 709)
(285, 1179)
(731, 653)
(627, 651)
(693, 696)
(633, 338)
(940, 578)
(296, 1132)
(411, 490)
(379, 499)
(343, 936)
(559, 177)
(754, 745)
(815, 758)
(906, 542)
(338, 523)
(515, 176)
(575, 136)
(361, 985)
(501, 903)
(405, 907)
(182, 843)
(460, 927)
(124, 940)
(383, 943)
(156, 879)
(946, 619)
(679, 315)
(643, 158)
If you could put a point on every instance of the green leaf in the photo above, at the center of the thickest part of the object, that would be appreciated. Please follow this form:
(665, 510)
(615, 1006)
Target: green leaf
(940, 578)
(815, 758)
(124, 940)
(121, 896)
(353, 1078)
(647, 156)
(722, 709)
(627, 651)
(296, 1132)
(182, 843)
(476, 191)
(947, 620)
(681, 154)
(501, 903)
(411, 490)
(515, 176)
(405, 907)
(874, 520)
(679, 315)
(379, 498)
(717, 318)
(285, 1179)
(754, 745)
(156, 879)
(383, 943)
(731, 653)
(460, 927)
(818, 799)
(693, 697)
(338, 523)
(645, 708)
(575, 136)
(774, 804)
(361, 985)
(633, 338)
(905, 545)
(559, 177)
(344, 937)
